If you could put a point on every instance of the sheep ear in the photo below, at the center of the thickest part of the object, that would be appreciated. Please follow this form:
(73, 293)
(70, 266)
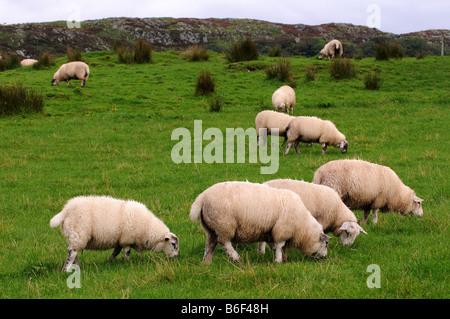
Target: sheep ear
(417, 199)
(325, 237)
(167, 238)
(362, 230)
(344, 226)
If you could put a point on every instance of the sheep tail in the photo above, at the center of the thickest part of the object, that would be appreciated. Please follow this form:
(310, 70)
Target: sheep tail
(57, 219)
(196, 208)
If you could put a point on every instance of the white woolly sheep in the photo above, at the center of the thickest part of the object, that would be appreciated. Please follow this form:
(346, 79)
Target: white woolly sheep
(367, 186)
(72, 70)
(325, 205)
(283, 99)
(270, 120)
(243, 212)
(28, 62)
(103, 222)
(314, 130)
(332, 50)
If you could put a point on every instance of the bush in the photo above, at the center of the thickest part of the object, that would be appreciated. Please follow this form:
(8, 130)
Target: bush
(387, 49)
(73, 55)
(243, 50)
(195, 54)
(125, 55)
(45, 61)
(205, 84)
(143, 51)
(372, 81)
(310, 72)
(15, 99)
(215, 105)
(281, 71)
(342, 69)
(9, 62)
(275, 51)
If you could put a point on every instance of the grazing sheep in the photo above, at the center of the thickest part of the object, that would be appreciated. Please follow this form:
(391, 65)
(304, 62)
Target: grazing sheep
(102, 222)
(314, 130)
(243, 212)
(368, 186)
(283, 99)
(326, 206)
(72, 70)
(28, 62)
(270, 120)
(332, 50)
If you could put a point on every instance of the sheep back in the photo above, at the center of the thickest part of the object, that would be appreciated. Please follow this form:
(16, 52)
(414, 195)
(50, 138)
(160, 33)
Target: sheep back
(243, 212)
(322, 202)
(102, 222)
(365, 185)
(283, 99)
(271, 119)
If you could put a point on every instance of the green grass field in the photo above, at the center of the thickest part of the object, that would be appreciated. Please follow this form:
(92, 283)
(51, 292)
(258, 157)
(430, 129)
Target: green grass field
(113, 137)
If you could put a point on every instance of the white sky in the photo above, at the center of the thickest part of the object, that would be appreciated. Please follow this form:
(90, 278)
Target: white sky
(397, 16)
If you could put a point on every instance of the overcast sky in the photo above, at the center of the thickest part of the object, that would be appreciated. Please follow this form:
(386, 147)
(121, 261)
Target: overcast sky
(397, 16)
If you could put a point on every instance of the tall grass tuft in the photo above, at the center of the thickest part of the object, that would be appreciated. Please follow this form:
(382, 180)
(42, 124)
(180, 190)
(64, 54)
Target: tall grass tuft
(387, 49)
(243, 50)
(310, 72)
(8, 62)
(282, 71)
(205, 84)
(143, 51)
(45, 61)
(372, 81)
(274, 51)
(195, 54)
(342, 69)
(16, 99)
(74, 55)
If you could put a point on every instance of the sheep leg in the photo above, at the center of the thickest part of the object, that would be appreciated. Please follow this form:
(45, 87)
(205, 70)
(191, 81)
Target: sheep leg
(375, 216)
(366, 215)
(288, 146)
(279, 252)
(262, 247)
(71, 256)
(297, 150)
(211, 243)
(284, 142)
(115, 252)
(232, 254)
(324, 148)
(83, 83)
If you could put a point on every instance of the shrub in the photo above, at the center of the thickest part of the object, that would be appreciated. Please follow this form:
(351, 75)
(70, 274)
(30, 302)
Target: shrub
(310, 72)
(143, 51)
(243, 50)
(275, 51)
(45, 61)
(195, 54)
(9, 62)
(372, 81)
(205, 84)
(73, 55)
(387, 49)
(342, 69)
(215, 104)
(281, 71)
(125, 55)
(16, 99)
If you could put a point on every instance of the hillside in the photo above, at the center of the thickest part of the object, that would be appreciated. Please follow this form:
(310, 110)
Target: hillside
(31, 39)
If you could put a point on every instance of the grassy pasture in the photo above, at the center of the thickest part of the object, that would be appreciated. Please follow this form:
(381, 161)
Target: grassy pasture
(113, 137)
